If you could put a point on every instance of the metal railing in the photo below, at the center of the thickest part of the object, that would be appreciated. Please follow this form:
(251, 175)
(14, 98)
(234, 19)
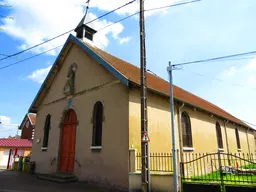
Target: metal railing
(222, 168)
(159, 162)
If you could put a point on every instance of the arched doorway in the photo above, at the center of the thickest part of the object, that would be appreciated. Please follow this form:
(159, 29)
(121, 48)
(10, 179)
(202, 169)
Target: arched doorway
(68, 142)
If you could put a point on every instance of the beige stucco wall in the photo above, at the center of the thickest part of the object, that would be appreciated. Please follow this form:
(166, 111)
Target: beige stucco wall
(27, 151)
(159, 123)
(1, 154)
(159, 182)
(97, 166)
(202, 124)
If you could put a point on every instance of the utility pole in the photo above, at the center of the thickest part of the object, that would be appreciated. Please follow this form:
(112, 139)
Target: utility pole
(174, 148)
(145, 171)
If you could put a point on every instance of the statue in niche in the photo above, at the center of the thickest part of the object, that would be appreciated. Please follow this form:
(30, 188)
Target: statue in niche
(69, 88)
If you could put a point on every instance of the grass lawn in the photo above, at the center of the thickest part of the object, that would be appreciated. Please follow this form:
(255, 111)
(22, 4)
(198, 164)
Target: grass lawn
(251, 166)
(215, 177)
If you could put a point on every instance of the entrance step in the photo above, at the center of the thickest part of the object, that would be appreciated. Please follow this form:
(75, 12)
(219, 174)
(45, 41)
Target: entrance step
(58, 177)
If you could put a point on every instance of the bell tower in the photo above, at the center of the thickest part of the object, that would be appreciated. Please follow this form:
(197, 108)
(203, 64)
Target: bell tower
(84, 31)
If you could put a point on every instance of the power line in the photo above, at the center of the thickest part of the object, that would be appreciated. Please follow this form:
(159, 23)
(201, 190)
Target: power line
(249, 123)
(1, 54)
(146, 10)
(221, 80)
(173, 5)
(11, 125)
(5, 5)
(152, 9)
(12, 55)
(217, 58)
(98, 30)
(6, 66)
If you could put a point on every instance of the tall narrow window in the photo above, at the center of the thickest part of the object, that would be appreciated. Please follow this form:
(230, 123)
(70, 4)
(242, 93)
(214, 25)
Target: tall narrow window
(237, 139)
(186, 130)
(219, 136)
(46, 130)
(97, 123)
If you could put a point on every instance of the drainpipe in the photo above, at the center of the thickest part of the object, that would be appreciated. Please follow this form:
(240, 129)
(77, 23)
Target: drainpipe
(180, 141)
(180, 131)
(249, 150)
(226, 135)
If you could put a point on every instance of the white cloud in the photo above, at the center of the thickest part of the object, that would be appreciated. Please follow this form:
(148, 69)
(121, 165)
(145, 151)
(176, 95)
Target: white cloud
(252, 80)
(5, 120)
(230, 71)
(6, 123)
(40, 74)
(236, 93)
(39, 20)
(109, 5)
(251, 65)
(125, 40)
(7, 128)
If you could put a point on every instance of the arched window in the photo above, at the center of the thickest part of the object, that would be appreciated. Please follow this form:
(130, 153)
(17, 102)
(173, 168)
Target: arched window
(97, 123)
(46, 130)
(219, 136)
(186, 130)
(237, 139)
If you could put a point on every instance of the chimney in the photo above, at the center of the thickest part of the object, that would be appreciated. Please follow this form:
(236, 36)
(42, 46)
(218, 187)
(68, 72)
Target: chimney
(84, 31)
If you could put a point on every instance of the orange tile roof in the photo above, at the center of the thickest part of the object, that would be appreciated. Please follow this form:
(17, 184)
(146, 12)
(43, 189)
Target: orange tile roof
(132, 73)
(32, 117)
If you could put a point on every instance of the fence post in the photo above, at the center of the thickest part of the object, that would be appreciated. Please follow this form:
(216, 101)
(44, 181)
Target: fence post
(222, 186)
(132, 160)
(179, 169)
(182, 174)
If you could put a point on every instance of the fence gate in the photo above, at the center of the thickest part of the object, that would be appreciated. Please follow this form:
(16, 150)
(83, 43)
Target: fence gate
(218, 172)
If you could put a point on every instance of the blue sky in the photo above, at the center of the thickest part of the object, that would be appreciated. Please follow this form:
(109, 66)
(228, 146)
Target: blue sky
(196, 31)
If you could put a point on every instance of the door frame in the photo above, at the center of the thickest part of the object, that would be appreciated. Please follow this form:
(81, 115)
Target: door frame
(61, 126)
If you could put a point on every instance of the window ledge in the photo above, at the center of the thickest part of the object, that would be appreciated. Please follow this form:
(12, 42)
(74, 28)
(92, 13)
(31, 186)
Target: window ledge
(44, 148)
(96, 147)
(221, 149)
(239, 150)
(188, 148)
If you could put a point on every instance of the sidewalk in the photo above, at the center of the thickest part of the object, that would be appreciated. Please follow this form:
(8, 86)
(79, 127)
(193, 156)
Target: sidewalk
(12, 181)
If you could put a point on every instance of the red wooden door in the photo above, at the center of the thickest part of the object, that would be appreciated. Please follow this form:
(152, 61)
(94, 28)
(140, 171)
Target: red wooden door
(68, 142)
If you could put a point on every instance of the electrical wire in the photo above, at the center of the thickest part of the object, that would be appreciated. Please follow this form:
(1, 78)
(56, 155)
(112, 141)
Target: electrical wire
(249, 123)
(1, 54)
(216, 58)
(11, 125)
(220, 80)
(146, 10)
(12, 55)
(217, 80)
(6, 66)
(98, 30)
(152, 9)
(5, 5)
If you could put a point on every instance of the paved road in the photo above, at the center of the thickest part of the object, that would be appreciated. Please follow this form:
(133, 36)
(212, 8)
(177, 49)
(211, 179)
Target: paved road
(11, 181)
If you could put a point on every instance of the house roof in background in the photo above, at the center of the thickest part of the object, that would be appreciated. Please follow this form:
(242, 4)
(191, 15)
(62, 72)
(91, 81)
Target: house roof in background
(15, 143)
(32, 118)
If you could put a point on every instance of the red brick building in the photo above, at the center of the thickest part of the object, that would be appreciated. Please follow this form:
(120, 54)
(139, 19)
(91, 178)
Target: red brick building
(27, 126)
